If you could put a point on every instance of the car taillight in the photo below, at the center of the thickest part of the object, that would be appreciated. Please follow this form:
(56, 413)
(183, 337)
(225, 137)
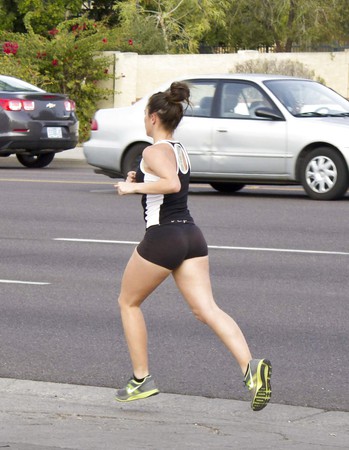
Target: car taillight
(28, 105)
(94, 125)
(69, 105)
(16, 105)
(11, 105)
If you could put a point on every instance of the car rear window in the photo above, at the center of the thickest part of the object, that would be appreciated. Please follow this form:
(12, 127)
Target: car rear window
(10, 84)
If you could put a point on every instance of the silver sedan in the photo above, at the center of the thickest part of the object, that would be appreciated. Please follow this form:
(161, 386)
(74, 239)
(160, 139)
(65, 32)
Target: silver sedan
(242, 129)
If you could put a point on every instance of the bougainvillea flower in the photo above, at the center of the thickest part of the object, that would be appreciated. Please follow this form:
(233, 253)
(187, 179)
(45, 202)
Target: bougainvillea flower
(41, 55)
(10, 48)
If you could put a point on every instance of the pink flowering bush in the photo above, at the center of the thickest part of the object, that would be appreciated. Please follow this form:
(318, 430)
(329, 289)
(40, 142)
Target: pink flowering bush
(15, 60)
(67, 60)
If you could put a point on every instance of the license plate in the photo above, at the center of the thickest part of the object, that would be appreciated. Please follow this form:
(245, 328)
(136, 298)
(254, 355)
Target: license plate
(54, 132)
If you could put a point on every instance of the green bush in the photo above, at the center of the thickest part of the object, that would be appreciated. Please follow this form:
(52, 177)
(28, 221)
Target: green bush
(68, 61)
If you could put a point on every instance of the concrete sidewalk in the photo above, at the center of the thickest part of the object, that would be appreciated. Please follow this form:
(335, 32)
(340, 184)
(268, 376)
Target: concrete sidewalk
(48, 416)
(74, 153)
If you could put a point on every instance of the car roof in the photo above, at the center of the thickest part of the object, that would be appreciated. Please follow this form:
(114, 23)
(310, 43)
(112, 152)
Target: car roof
(245, 76)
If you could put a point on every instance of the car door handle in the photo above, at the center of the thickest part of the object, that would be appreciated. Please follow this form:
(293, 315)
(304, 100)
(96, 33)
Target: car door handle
(222, 130)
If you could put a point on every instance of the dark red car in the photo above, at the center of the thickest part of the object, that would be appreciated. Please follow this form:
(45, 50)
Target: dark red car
(34, 124)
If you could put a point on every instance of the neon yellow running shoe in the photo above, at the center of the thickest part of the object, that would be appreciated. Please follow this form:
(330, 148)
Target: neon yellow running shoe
(257, 380)
(135, 391)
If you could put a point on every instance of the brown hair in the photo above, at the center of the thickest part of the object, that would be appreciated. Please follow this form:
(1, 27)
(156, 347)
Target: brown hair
(168, 105)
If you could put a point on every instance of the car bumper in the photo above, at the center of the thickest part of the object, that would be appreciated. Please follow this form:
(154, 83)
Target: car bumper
(103, 154)
(36, 138)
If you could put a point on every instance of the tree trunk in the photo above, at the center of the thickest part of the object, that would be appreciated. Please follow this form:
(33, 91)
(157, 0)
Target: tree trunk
(290, 25)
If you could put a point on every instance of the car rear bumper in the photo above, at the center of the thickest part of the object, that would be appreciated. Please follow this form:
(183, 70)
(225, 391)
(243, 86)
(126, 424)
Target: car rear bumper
(36, 137)
(18, 145)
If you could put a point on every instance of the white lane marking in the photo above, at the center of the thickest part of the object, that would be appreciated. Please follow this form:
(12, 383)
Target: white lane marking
(286, 250)
(27, 180)
(97, 241)
(217, 247)
(39, 283)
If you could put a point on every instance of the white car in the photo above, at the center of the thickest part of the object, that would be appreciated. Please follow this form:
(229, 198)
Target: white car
(241, 129)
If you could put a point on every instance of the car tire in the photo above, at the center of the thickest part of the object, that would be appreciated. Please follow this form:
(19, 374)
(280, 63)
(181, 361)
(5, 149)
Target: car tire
(133, 157)
(36, 161)
(324, 174)
(227, 187)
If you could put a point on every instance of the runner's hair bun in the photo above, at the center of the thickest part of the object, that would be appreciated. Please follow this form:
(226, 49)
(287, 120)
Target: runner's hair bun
(178, 92)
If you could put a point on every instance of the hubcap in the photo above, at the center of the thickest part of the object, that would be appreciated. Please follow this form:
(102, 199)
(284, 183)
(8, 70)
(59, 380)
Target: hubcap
(321, 174)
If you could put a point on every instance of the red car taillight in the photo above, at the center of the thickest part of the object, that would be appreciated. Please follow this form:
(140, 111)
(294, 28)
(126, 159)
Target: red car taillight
(94, 125)
(28, 105)
(10, 105)
(16, 105)
(69, 105)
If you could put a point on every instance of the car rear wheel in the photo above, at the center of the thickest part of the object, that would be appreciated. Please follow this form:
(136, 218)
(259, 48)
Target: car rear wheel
(324, 174)
(36, 161)
(133, 157)
(227, 187)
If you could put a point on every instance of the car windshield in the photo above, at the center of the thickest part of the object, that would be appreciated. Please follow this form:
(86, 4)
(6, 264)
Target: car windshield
(10, 84)
(304, 98)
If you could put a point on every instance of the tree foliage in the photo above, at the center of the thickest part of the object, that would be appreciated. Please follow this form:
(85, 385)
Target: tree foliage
(180, 23)
(183, 26)
(281, 24)
(103, 10)
(43, 15)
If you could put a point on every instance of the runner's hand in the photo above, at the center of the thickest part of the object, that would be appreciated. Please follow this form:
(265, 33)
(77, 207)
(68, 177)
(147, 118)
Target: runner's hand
(125, 187)
(131, 176)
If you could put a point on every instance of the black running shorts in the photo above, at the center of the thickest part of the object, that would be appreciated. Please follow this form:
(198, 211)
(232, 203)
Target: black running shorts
(168, 245)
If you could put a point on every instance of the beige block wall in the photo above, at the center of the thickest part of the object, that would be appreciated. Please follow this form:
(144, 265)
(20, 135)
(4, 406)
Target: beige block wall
(137, 75)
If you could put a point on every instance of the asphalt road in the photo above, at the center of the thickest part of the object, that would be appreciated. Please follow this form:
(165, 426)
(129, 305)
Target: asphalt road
(279, 265)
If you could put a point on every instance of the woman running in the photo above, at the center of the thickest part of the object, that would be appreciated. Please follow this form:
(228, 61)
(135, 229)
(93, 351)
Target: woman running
(173, 244)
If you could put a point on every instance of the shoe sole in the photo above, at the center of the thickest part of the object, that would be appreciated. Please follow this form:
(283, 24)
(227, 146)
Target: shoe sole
(263, 390)
(138, 396)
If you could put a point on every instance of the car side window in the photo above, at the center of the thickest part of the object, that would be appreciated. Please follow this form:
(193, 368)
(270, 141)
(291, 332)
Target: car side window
(240, 100)
(201, 98)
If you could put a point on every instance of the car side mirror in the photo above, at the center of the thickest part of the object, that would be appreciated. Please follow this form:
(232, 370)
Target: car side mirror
(269, 113)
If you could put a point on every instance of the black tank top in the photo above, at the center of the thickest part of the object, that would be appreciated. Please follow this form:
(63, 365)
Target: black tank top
(166, 208)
